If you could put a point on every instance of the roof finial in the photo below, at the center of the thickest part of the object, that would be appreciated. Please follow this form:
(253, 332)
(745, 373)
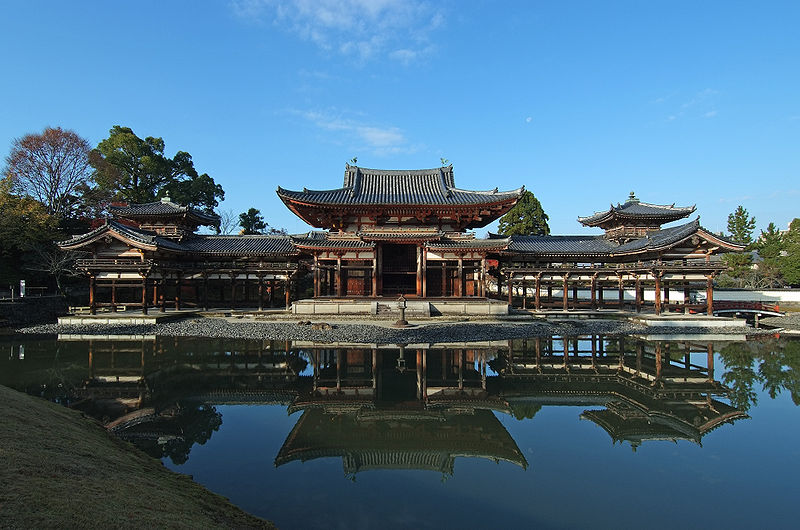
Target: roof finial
(632, 198)
(166, 198)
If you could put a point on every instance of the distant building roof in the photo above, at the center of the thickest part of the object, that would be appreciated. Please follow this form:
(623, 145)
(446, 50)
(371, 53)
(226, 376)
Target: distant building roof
(633, 210)
(164, 208)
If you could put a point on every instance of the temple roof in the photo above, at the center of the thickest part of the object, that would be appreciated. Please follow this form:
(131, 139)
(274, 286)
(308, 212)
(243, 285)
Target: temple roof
(240, 245)
(164, 208)
(601, 246)
(143, 238)
(633, 209)
(363, 186)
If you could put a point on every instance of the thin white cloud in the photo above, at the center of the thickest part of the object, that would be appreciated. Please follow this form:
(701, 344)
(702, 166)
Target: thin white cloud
(528, 119)
(364, 29)
(360, 134)
(701, 104)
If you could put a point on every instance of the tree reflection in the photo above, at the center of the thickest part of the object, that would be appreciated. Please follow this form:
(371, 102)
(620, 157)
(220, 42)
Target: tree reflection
(774, 364)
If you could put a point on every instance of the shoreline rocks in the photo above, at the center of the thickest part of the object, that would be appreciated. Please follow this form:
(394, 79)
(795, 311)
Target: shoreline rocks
(374, 333)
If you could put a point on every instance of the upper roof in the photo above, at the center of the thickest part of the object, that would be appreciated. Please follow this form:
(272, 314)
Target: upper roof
(633, 209)
(364, 186)
(270, 246)
(164, 208)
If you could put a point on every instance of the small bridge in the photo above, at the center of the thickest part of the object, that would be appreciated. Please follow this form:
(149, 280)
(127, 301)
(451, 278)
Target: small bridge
(747, 308)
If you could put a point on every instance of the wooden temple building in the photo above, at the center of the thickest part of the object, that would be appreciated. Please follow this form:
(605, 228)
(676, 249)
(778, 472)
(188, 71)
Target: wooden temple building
(386, 233)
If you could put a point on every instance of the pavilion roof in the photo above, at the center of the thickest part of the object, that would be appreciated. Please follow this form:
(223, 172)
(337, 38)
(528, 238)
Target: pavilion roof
(212, 245)
(385, 187)
(143, 238)
(601, 246)
(633, 209)
(164, 208)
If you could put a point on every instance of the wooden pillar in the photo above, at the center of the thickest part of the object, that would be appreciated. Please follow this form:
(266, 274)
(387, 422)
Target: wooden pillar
(178, 285)
(378, 267)
(205, 291)
(316, 276)
(482, 278)
(424, 272)
(271, 293)
(92, 295)
(537, 295)
(638, 287)
(600, 294)
(621, 293)
(233, 290)
(524, 294)
(658, 360)
(709, 361)
(565, 295)
(666, 296)
(685, 297)
(375, 272)
(575, 295)
(593, 292)
(419, 270)
(339, 287)
(550, 291)
(288, 291)
(710, 294)
(510, 290)
(657, 288)
(261, 290)
(144, 295)
(460, 285)
(113, 296)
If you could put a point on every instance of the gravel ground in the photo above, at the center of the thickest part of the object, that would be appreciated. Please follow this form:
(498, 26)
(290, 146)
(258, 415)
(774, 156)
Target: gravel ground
(790, 321)
(371, 333)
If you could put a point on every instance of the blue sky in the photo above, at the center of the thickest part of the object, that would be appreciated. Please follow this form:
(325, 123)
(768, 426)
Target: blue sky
(581, 102)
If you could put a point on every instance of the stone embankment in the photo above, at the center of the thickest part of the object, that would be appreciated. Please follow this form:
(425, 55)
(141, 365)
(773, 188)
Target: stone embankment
(372, 332)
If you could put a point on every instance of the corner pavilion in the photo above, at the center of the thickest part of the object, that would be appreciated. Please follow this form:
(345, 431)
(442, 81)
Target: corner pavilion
(386, 233)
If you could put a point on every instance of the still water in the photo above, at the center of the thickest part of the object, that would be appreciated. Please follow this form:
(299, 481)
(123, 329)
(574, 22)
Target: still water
(560, 432)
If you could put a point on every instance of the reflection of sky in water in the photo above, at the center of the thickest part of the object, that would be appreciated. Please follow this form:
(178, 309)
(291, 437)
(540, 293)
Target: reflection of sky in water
(743, 474)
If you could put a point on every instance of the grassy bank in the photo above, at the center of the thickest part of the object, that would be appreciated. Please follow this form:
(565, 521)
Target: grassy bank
(59, 469)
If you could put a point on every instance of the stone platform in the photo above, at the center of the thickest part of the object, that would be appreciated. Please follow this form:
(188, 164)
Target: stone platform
(126, 317)
(389, 307)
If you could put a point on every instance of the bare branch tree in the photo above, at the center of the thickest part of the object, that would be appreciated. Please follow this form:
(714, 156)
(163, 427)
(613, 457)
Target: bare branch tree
(228, 222)
(57, 263)
(50, 167)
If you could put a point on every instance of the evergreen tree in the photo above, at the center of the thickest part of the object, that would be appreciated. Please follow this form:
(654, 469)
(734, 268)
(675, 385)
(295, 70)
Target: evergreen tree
(741, 226)
(526, 218)
(252, 222)
(789, 263)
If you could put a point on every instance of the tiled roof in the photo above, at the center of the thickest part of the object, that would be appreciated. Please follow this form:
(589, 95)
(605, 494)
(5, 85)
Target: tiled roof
(634, 209)
(134, 234)
(163, 207)
(485, 244)
(561, 245)
(240, 245)
(333, 243)
(365, 186)
(660, 238)
(599, 245)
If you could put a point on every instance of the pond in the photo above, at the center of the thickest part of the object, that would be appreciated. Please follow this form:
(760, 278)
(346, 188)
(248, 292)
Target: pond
(590, 431)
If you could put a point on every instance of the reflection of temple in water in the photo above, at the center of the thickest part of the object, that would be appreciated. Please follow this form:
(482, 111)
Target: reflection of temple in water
(415, 406)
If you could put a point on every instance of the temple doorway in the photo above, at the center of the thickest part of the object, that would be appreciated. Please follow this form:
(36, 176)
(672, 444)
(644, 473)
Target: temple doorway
(399, 269)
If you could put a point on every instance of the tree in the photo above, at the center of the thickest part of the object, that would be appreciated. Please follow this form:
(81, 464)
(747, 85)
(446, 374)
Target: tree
(24, 225)
(131, 169)
(252, 222)
(526, 218)
(789, 261)
(228, 220)
(740, 264)
(741, 226)
(51, 167)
